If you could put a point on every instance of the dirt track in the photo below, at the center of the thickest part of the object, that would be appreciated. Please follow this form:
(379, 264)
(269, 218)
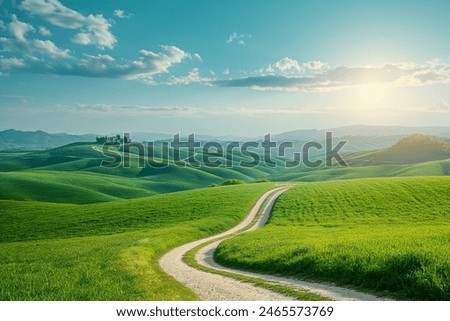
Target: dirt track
(214, 287)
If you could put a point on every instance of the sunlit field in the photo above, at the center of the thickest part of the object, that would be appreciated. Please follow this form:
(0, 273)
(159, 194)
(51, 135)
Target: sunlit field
(390, 236)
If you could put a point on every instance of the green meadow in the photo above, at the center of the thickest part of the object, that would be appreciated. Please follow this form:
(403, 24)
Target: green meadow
(386, 235)
(73, 230)
(109, 251)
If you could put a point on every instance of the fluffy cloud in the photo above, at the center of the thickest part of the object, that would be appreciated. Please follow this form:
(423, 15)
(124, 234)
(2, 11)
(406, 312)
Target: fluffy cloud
(316, 65)
(144, 68)
(151, 63)
(11, 63)
(20, 43)
(19, 29)
(49, 48)
(94, 28)
(289, 66)
(44, 56)
(192, 77)
(32, 54)
(239, 38)
(96, 33)
(121, 14)
(54, 12)
(44, 31)
(328, 79)
(33, 47)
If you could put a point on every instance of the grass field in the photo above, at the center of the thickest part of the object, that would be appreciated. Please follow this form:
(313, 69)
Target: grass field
(109, 251)
(72, 174)
(72, 230)
(385, 235)
(70, 187)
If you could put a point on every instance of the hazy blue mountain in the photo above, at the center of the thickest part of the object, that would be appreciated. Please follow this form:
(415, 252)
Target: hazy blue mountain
(359, 137)
(363, 130)
(17, 139)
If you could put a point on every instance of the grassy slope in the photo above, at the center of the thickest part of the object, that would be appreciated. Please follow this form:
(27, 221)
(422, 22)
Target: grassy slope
(109, 251)
(431, 168)
(72, 174)
(70, 187)
(73, 161)
(378, 234)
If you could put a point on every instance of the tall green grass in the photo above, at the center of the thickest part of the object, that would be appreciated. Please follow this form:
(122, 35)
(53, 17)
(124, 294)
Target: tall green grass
(70, 187)
(109, 251)
(386, 235)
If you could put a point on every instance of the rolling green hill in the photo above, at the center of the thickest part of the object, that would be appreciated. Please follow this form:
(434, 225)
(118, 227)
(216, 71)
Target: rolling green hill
(415, 155)
(109, 251)
(410, 149)
(72, 174)
(388, 235)
(431, 168)
(73, 187)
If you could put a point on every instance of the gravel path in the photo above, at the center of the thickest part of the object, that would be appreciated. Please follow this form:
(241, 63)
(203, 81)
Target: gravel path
(214, 287)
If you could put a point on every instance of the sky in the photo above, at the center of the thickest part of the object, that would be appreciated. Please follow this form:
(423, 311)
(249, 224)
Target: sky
(222, 67)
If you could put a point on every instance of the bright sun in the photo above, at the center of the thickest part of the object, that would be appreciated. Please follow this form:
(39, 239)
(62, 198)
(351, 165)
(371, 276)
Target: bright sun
(369, 97)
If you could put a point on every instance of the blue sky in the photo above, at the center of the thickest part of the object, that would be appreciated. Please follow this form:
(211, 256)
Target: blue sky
(222, 67)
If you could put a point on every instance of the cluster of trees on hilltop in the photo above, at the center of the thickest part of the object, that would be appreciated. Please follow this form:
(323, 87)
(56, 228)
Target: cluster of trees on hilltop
(423, 144)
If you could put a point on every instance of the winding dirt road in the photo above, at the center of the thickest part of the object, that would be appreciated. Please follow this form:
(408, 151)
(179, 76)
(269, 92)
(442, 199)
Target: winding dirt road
(214, 287)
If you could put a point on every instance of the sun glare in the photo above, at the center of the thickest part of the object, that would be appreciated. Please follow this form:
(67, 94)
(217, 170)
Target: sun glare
(369, 97)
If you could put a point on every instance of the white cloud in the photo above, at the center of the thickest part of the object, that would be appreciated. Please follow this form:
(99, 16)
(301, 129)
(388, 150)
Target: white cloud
(31, 47)
(48, 47)
(288, 65)
(96, 33)
(44, 31)
(197, 56)
(324, 78)
(19, 29)
(151, 63)
(54, 12)
(2, 25)
(20, 44)
(11, 63)
(316, 65)
(226, 71)
(121, 14)
(239, 38)
(144, 68)
(192, 77)
(94, 28)
(32, 54)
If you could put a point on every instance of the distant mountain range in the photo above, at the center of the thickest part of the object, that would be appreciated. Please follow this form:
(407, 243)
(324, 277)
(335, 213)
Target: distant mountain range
(363, 130)
(17, 139)
(360, 137)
